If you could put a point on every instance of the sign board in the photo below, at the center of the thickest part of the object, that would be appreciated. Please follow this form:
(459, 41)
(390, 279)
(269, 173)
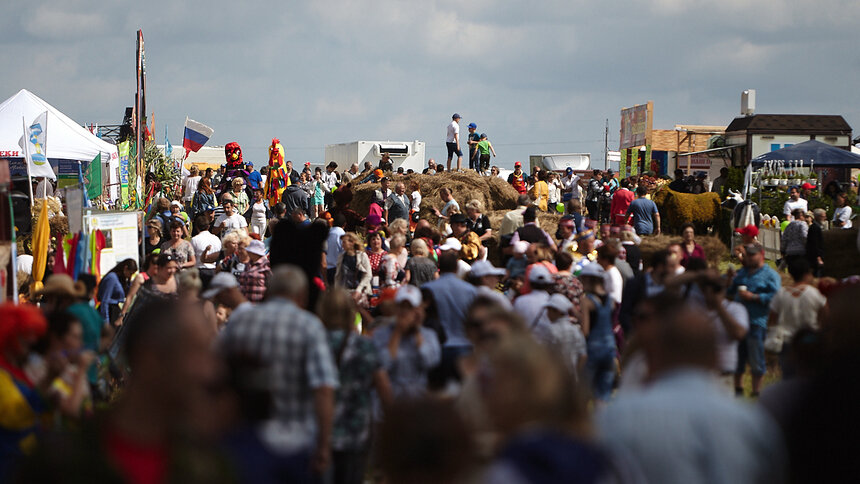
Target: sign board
(636, 123)
(121, 236)
(123, 172)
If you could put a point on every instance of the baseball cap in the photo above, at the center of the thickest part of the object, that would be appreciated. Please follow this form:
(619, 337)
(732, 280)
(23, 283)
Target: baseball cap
(410, 294)
(176, 203)
(540, 275)
(221, 281)
(592, 270)
(808, 186)
(256, 247)
(456, 116)
(378, 173)
(568, 170)
(483, 135)
(517, 163)
(748, 230)
(458, 218)
(471, 125)
(451, 244)
(483, 268)
(752, 249)
(559, 302)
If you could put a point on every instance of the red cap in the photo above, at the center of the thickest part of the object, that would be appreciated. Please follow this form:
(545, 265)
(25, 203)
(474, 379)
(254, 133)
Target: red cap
(808, 186)
(517, 163)
(750, 230)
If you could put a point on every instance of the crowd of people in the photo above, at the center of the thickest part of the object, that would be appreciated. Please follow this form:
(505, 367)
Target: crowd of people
(306, 342)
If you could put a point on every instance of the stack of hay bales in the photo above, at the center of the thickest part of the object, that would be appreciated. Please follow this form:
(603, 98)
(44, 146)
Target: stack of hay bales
(841, 258)
(715, 249)
(676, 209)
(493, 192)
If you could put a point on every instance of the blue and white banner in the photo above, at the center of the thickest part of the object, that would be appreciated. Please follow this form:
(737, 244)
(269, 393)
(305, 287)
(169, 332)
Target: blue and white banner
(33, 142)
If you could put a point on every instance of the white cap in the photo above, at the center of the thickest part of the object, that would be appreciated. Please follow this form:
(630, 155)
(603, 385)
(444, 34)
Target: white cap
(177, 203)
(451, 244)
(540, 275)
(410, 294)
(221, 281)
(559, 302)
(520, 247)
(592, 269)
(256, 247)
(483, 268)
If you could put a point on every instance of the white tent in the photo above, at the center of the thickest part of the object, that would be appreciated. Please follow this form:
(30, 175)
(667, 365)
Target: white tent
(66, 139)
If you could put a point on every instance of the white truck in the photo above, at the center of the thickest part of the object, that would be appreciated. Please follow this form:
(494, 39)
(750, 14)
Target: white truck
(406, 154)
(561, 162)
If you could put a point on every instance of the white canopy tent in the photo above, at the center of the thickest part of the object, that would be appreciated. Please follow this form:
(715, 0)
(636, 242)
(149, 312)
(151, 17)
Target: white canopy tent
(65, 139)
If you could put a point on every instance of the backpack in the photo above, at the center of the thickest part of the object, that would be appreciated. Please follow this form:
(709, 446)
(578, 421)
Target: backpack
(166, 220)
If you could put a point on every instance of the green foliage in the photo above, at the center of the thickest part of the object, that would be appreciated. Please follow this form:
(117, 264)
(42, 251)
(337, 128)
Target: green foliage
(773, 200)
(166, 171)
(734, 181)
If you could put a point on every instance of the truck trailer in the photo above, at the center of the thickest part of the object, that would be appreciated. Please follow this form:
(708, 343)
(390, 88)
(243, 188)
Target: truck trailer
(561, 162)
(406, 154)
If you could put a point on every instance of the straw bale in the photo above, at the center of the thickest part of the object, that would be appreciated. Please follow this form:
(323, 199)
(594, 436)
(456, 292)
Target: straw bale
(715, 250)
(493, 192)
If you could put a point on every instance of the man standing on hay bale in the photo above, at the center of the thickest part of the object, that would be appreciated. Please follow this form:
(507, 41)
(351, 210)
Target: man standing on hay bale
(453, 141)
(646, 217)
(517, 179)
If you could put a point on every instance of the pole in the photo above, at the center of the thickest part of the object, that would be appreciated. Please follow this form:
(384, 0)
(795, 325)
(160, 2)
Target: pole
(606, 146)
(27, 159)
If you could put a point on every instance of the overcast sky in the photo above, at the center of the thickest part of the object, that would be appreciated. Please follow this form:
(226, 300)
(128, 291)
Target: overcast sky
(537, 77)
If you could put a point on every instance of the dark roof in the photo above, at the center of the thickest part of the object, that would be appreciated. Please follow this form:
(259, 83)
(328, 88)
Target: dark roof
(791, 123)
(813, 150)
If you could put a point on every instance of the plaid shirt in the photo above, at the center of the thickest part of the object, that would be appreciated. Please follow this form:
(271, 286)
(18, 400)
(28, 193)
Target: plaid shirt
(252, 281)
(293, 344)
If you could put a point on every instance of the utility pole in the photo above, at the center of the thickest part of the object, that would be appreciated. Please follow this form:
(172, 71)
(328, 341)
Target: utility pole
(606, 146)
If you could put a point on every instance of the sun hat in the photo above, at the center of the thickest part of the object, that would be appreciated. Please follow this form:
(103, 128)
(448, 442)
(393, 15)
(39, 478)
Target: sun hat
(592, 270)
(483, 268)
(221, 281)
(540, 275)
(451, 244)
(61, 285)
(410, 294)
(256, 247)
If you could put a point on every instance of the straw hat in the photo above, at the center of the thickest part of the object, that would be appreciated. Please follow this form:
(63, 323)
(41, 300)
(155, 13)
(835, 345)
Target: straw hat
(62, 285)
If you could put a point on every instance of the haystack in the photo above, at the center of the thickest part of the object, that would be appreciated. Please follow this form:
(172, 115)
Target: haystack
(493, 192)
(714, 247)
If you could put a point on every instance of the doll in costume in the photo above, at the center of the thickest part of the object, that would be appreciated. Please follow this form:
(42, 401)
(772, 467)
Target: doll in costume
(277, 180)
(235, 167)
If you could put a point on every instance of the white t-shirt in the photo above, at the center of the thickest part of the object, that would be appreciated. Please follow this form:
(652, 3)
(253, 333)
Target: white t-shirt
(790, 206)
(797, 307)
(614, 284)
(202, 240)
(190, 185)
(843, 214)
(234, 222)
(571, 184)
(727, 347)
(453, 129)
(416, 200)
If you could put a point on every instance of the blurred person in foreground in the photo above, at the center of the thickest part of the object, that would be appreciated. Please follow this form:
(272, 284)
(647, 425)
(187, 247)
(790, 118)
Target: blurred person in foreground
(291, 342)
(150, 435)
(682, 427)
(361, 372)
(541, 417)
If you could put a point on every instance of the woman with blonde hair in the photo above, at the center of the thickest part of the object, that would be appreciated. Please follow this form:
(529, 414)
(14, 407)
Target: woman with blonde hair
(394, 261)
(240, 198)
(353, 267)
(419, 268)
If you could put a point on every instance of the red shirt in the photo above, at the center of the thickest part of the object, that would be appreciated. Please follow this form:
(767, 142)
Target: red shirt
(519, 183)
(620, 202)
(138, 463)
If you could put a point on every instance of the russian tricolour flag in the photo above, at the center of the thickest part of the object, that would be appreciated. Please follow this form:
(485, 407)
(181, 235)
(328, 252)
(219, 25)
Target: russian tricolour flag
(196, 135)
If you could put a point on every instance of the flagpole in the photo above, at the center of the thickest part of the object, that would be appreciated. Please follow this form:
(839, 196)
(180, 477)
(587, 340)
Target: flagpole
(27, 159)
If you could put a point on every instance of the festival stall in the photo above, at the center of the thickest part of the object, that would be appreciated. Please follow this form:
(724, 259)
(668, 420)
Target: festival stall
(810, 165)
(67, 142)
